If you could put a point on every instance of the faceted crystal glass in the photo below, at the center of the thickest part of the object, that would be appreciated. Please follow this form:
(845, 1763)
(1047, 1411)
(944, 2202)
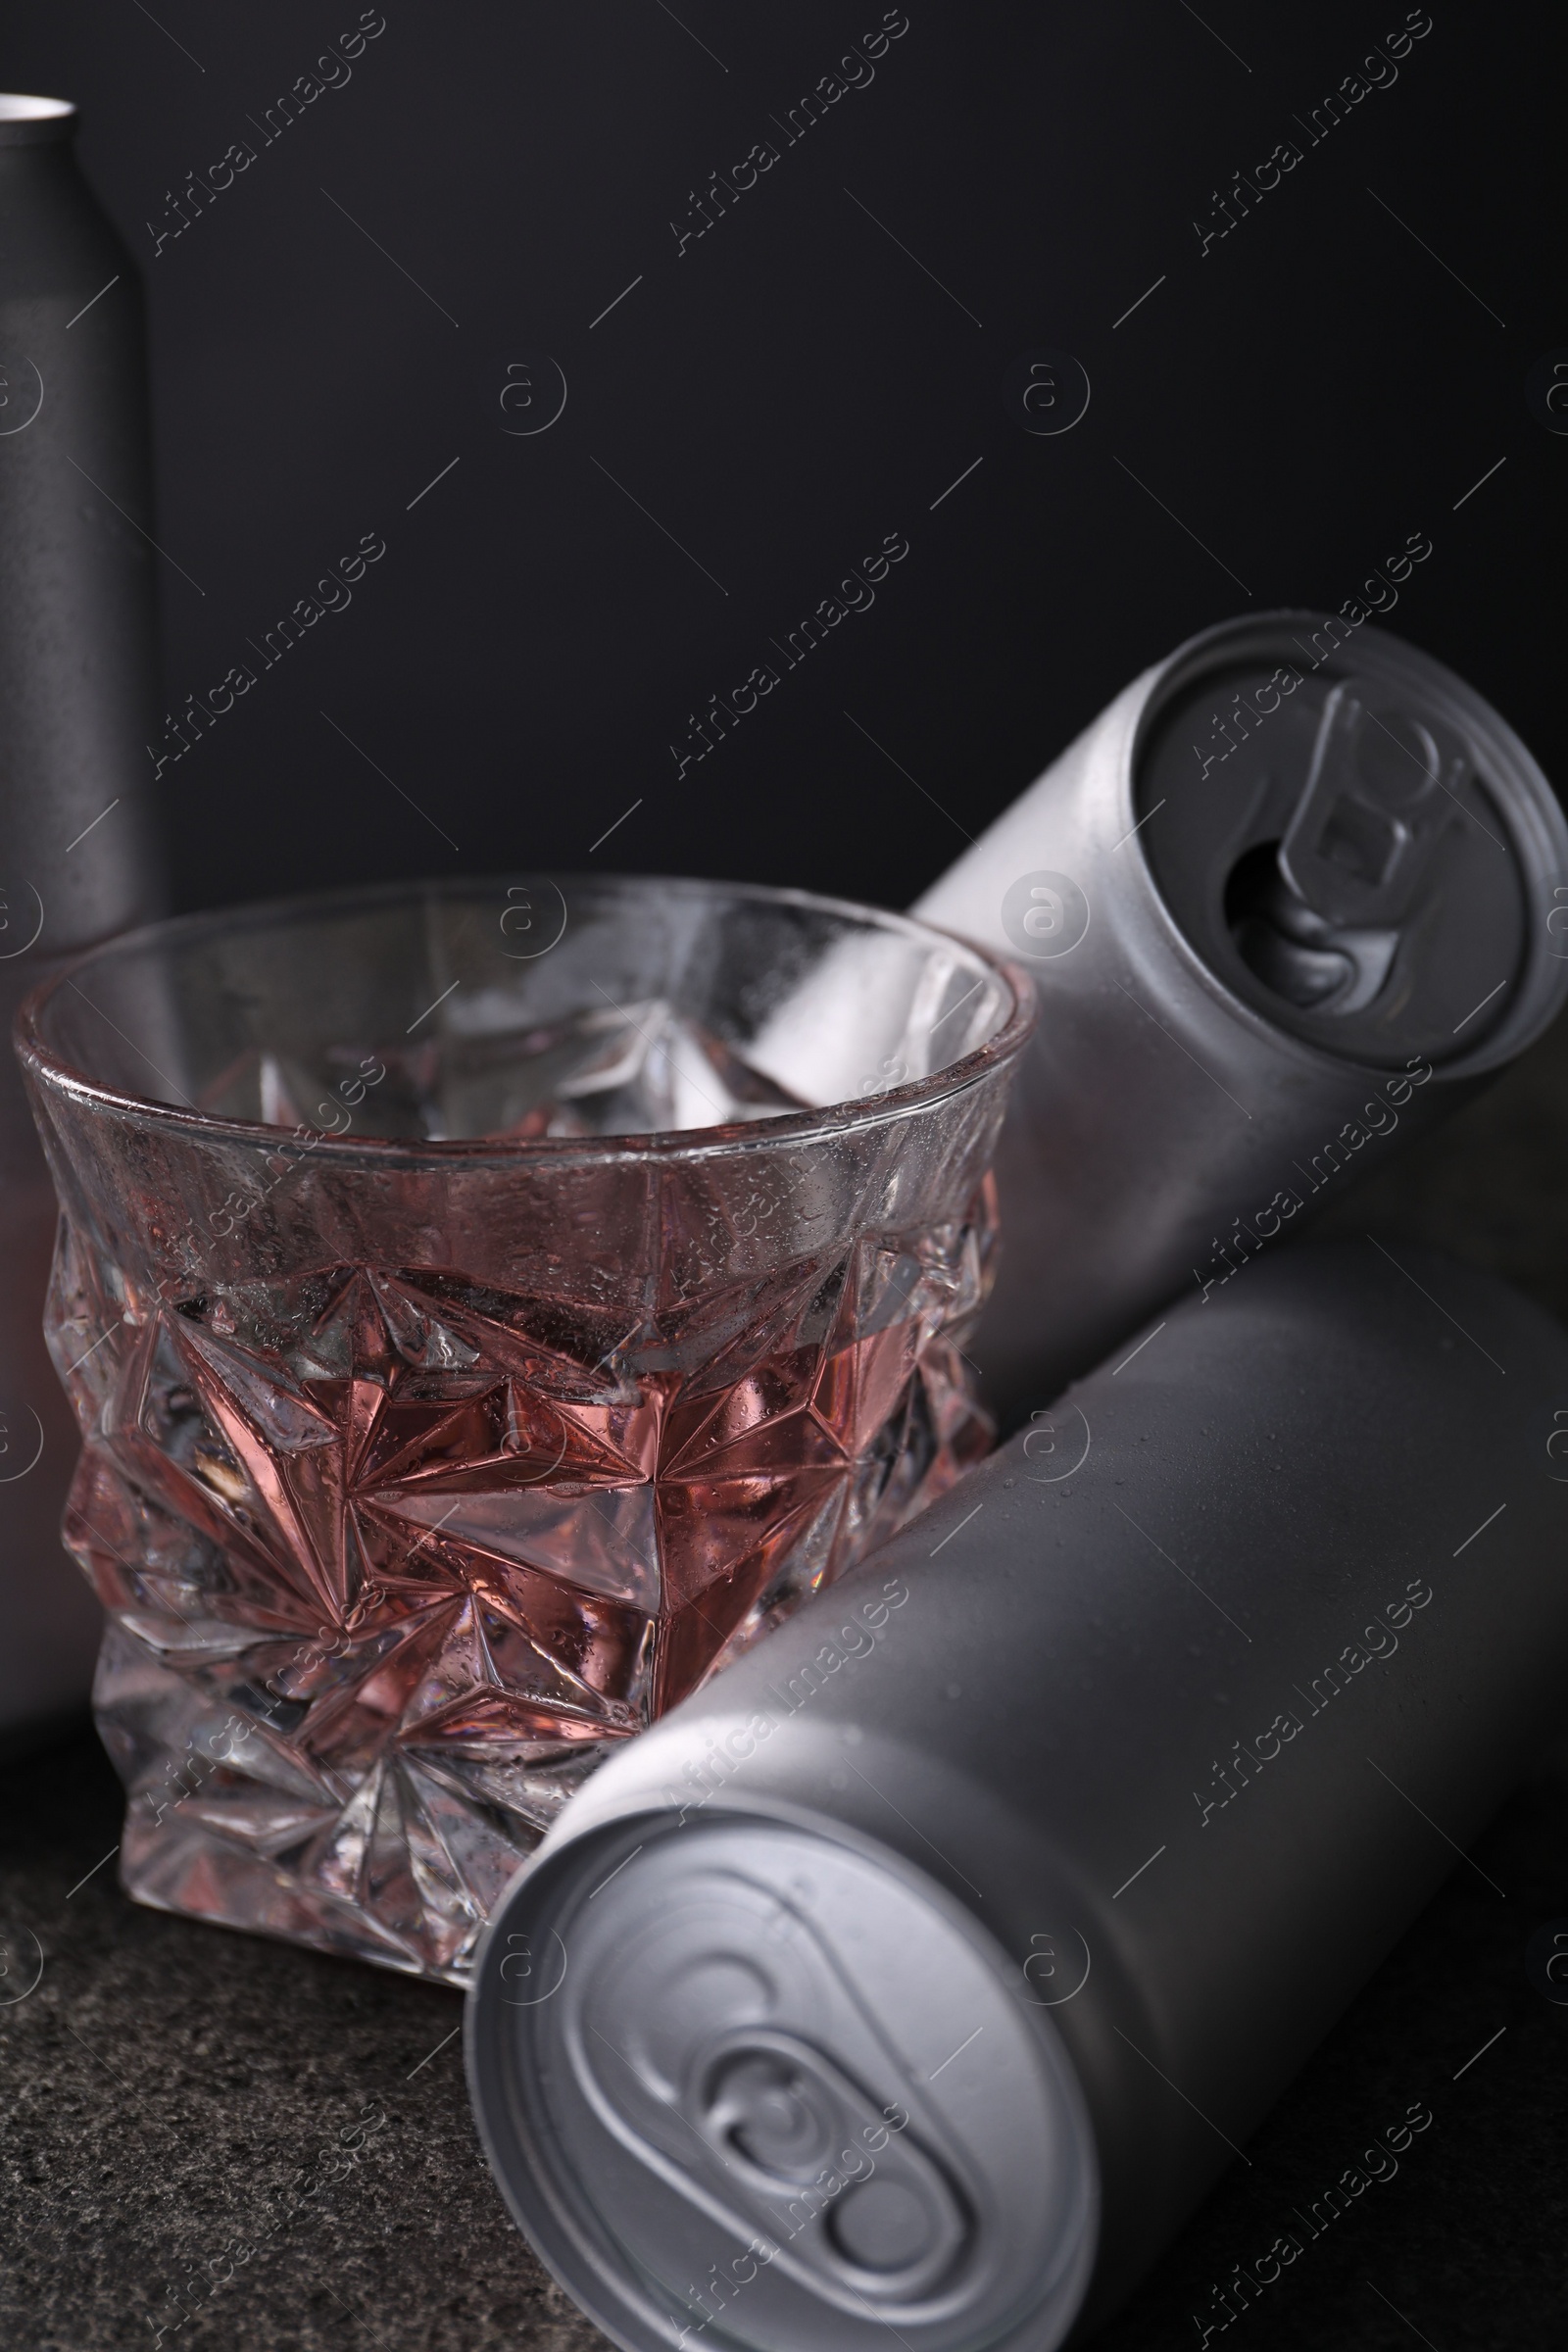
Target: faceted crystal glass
(488, 1308)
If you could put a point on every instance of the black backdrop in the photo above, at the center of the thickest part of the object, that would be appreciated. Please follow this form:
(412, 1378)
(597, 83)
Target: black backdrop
(333, 328)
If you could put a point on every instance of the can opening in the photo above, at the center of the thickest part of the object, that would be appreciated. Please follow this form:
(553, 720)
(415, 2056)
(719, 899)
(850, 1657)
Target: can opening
(1295, 951)
(1341, 854)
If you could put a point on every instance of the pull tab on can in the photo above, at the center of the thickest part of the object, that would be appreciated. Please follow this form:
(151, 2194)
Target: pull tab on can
(1358, 854)
(1381, 792)
(1350, 864)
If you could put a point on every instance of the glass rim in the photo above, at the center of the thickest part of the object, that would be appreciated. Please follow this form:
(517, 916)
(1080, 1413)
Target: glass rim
(51, 1070)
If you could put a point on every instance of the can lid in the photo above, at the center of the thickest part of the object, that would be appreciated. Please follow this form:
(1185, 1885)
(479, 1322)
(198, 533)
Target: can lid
(1350, 838)
(746, 2085)
(29, 121)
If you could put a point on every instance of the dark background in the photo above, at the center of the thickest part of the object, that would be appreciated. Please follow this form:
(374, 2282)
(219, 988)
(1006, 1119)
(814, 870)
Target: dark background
(1315, 389)
(790, 389)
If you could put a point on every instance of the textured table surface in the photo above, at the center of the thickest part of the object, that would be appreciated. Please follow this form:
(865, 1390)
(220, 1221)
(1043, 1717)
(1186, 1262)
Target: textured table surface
(211, 2141)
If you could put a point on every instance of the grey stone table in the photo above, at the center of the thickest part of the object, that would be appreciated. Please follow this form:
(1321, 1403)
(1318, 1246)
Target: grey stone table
(219, 2144)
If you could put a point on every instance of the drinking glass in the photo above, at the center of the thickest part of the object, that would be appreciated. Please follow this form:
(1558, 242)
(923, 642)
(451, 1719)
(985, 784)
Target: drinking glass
(488, 1308)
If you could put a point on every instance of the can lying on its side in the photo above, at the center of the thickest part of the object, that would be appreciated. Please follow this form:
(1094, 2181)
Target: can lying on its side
(922, 1971)
(1288, 895)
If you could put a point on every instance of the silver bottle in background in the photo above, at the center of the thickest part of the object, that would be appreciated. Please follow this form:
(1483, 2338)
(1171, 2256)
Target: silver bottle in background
(78, 853)
(1291, 893)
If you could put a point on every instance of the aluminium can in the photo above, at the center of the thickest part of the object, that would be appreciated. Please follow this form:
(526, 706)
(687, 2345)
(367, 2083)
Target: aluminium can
(81, 853)
(915, 1980)
(1298, 890)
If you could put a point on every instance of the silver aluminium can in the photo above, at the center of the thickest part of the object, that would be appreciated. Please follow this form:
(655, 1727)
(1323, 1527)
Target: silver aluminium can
(1298, 890)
